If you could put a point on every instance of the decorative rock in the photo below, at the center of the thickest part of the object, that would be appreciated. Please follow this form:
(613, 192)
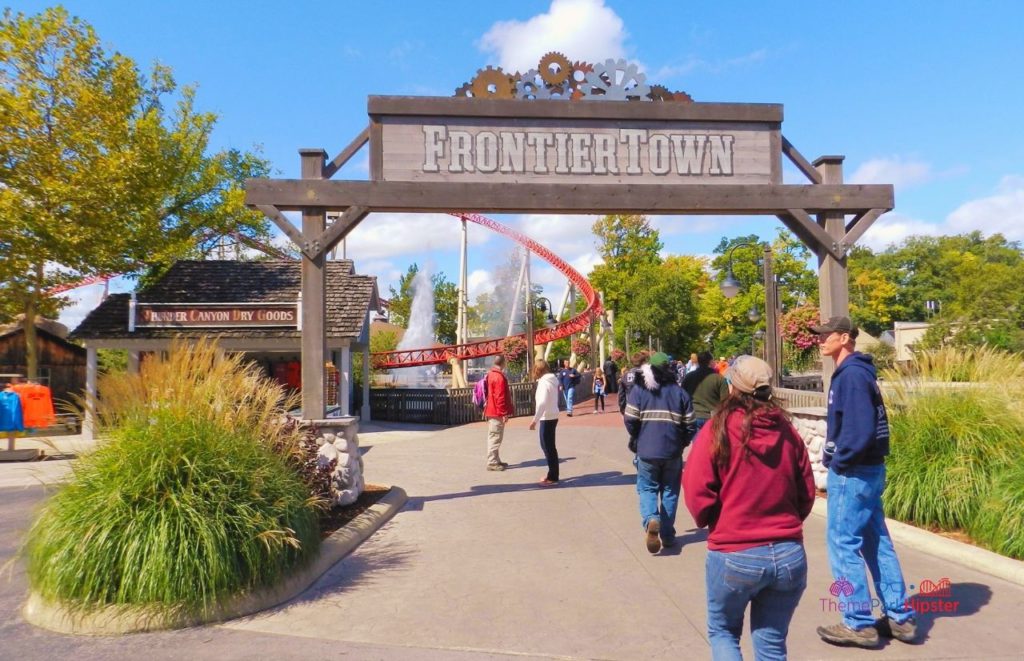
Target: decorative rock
(326, 454)
(346, 497)
(320, 440)
(329, 437)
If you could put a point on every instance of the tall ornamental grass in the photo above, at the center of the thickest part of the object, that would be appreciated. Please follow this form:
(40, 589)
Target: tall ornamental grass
(958, 444)
(192, 499)
(999, 523)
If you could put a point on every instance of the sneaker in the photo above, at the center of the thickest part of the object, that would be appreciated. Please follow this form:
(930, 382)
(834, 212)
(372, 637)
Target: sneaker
(548, 483)
(495, 467)
(840, 634)
(569, 414)
(504, 463)
(904, 632)
(652, 538)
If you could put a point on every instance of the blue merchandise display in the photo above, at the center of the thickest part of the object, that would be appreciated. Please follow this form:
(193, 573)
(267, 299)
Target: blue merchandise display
(11, 417)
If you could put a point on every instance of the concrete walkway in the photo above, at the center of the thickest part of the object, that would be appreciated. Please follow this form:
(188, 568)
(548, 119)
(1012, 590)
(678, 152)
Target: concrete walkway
(485, 565)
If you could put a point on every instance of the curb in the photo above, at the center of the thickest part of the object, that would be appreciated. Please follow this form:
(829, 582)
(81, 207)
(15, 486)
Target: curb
(114, 620)
(974, 557)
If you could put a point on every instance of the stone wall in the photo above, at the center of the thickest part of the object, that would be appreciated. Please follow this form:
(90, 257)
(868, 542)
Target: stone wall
(810, 423)
(338, 439)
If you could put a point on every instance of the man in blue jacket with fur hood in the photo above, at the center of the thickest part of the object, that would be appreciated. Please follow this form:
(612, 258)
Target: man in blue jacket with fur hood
(856, 443)
(659, 419)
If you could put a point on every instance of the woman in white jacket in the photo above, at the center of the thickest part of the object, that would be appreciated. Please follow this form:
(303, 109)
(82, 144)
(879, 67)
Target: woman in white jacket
(547, 414)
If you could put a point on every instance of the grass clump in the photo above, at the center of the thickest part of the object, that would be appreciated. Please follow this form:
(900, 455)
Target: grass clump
(192, 499)
(958, 444)
(999, 523)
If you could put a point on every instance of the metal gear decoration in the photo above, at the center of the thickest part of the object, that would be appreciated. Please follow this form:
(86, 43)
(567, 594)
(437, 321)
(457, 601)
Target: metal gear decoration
(660, 93)
(554, 68)
(531, 85)
(491, 83)
(616, 80)
(556, 77)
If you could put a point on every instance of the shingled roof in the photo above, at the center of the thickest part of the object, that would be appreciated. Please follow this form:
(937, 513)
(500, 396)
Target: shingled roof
(349, 296)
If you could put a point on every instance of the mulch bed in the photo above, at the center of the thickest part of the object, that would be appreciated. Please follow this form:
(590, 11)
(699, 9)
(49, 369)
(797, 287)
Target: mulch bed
(336, 517)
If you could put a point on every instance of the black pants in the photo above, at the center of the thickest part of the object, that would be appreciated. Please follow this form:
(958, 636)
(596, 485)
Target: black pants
(599, 397)
(547, 444)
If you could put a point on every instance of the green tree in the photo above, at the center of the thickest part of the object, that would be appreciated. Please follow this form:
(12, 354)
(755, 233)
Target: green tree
(665, 303)
(628, 246)
(95, 175)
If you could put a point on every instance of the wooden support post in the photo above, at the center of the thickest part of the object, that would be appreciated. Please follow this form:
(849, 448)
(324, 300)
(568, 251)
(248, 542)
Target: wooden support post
(314, 284)
(771, 319)
(833, 283)
(364, 411)
(133, 362)
(88, 417)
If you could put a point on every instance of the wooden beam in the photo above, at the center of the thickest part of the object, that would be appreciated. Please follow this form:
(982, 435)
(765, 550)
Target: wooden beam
(833, 276)
(827, 243)
(615, 110)
(801, 233)
(856, 227)
(800, 162)
(285, 225)
(297, 194)
(339, 229)
(347, 153)
(314, 286)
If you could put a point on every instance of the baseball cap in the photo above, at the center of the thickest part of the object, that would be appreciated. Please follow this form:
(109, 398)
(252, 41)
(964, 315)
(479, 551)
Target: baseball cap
(748, 373)
(838, 324)
(659, 359)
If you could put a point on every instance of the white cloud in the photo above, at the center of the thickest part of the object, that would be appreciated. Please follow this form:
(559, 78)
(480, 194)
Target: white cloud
(896, 170)
(480, 281)
(1002, 212)
(387, 235)
(580, 29)
(893, 227)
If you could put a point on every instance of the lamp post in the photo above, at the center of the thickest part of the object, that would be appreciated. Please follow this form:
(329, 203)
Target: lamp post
(757, 336)
(730, 287)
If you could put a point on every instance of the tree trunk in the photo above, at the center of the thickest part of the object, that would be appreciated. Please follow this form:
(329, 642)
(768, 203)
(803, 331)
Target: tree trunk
(31, 338)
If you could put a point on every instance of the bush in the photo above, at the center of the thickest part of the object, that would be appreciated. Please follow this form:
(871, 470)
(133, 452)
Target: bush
(187, 503)
(999, 524)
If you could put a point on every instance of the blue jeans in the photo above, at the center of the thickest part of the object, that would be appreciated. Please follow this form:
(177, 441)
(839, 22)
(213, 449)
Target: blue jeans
(771, 579)
(654, 478)
(857, 534)
(570, 394)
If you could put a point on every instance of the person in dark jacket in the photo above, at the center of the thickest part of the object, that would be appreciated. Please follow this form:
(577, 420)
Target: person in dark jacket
(611, 376)
(568, 379)
(706, 387)
(659, 419)
(856, 444)
(748, 479)
(629, 378)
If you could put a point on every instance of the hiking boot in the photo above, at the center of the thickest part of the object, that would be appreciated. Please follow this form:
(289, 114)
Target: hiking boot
(495, 467)
(504, 463)
(653, 539)
(905, 632)
(840, 634)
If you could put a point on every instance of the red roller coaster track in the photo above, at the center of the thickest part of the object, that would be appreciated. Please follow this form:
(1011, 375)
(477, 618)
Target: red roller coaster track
(577, 324)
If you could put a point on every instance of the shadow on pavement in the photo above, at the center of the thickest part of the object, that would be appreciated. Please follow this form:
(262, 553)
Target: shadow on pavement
(692, 536)
(539, 463)
(606, 479)
(964, 600)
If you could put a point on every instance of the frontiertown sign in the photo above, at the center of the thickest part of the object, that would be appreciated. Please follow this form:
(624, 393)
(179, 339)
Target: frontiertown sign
(607, 152)
(421, 140)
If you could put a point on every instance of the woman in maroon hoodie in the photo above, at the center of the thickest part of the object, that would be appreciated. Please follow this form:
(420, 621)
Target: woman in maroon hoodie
(748, 479)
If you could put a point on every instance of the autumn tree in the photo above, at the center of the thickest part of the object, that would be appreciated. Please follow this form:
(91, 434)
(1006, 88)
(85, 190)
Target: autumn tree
(97, 174)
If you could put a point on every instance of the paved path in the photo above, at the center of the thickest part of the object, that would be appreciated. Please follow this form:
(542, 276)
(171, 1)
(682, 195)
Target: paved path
(484, 565)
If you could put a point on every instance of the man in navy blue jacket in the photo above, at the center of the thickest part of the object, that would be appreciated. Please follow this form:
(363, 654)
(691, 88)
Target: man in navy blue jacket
(856, 443)
(659, 419)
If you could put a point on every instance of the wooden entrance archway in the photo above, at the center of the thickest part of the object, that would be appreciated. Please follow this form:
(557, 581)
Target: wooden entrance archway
(515, 156)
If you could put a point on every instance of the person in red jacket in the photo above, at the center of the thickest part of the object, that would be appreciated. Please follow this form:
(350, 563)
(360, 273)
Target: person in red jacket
(748, 479)
(497, 411)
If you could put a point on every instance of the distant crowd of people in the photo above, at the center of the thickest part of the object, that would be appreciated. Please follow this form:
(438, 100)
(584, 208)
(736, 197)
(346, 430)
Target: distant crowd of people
(747, 479)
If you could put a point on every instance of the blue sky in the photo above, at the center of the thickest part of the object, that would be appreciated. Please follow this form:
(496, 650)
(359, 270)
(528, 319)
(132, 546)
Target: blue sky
(926, 96)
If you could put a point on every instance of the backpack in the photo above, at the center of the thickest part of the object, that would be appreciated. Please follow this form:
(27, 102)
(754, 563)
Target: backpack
(480, 393)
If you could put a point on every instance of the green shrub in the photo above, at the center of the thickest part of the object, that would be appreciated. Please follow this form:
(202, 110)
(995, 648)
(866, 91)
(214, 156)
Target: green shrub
(947, 445)
(999, 523)
(187, 503)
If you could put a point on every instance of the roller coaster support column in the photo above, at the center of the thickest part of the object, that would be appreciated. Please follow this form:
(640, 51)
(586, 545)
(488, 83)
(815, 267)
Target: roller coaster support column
(462, 333)
(530, 352)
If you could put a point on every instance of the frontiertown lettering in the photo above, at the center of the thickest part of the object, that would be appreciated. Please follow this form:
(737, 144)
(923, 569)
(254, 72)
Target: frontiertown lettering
(630, 152)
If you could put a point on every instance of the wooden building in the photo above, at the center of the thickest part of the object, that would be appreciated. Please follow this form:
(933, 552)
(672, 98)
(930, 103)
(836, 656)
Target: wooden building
(61, 363)
(248, 307)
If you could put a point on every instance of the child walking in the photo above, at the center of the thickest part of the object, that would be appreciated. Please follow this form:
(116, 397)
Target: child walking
(599, 389)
